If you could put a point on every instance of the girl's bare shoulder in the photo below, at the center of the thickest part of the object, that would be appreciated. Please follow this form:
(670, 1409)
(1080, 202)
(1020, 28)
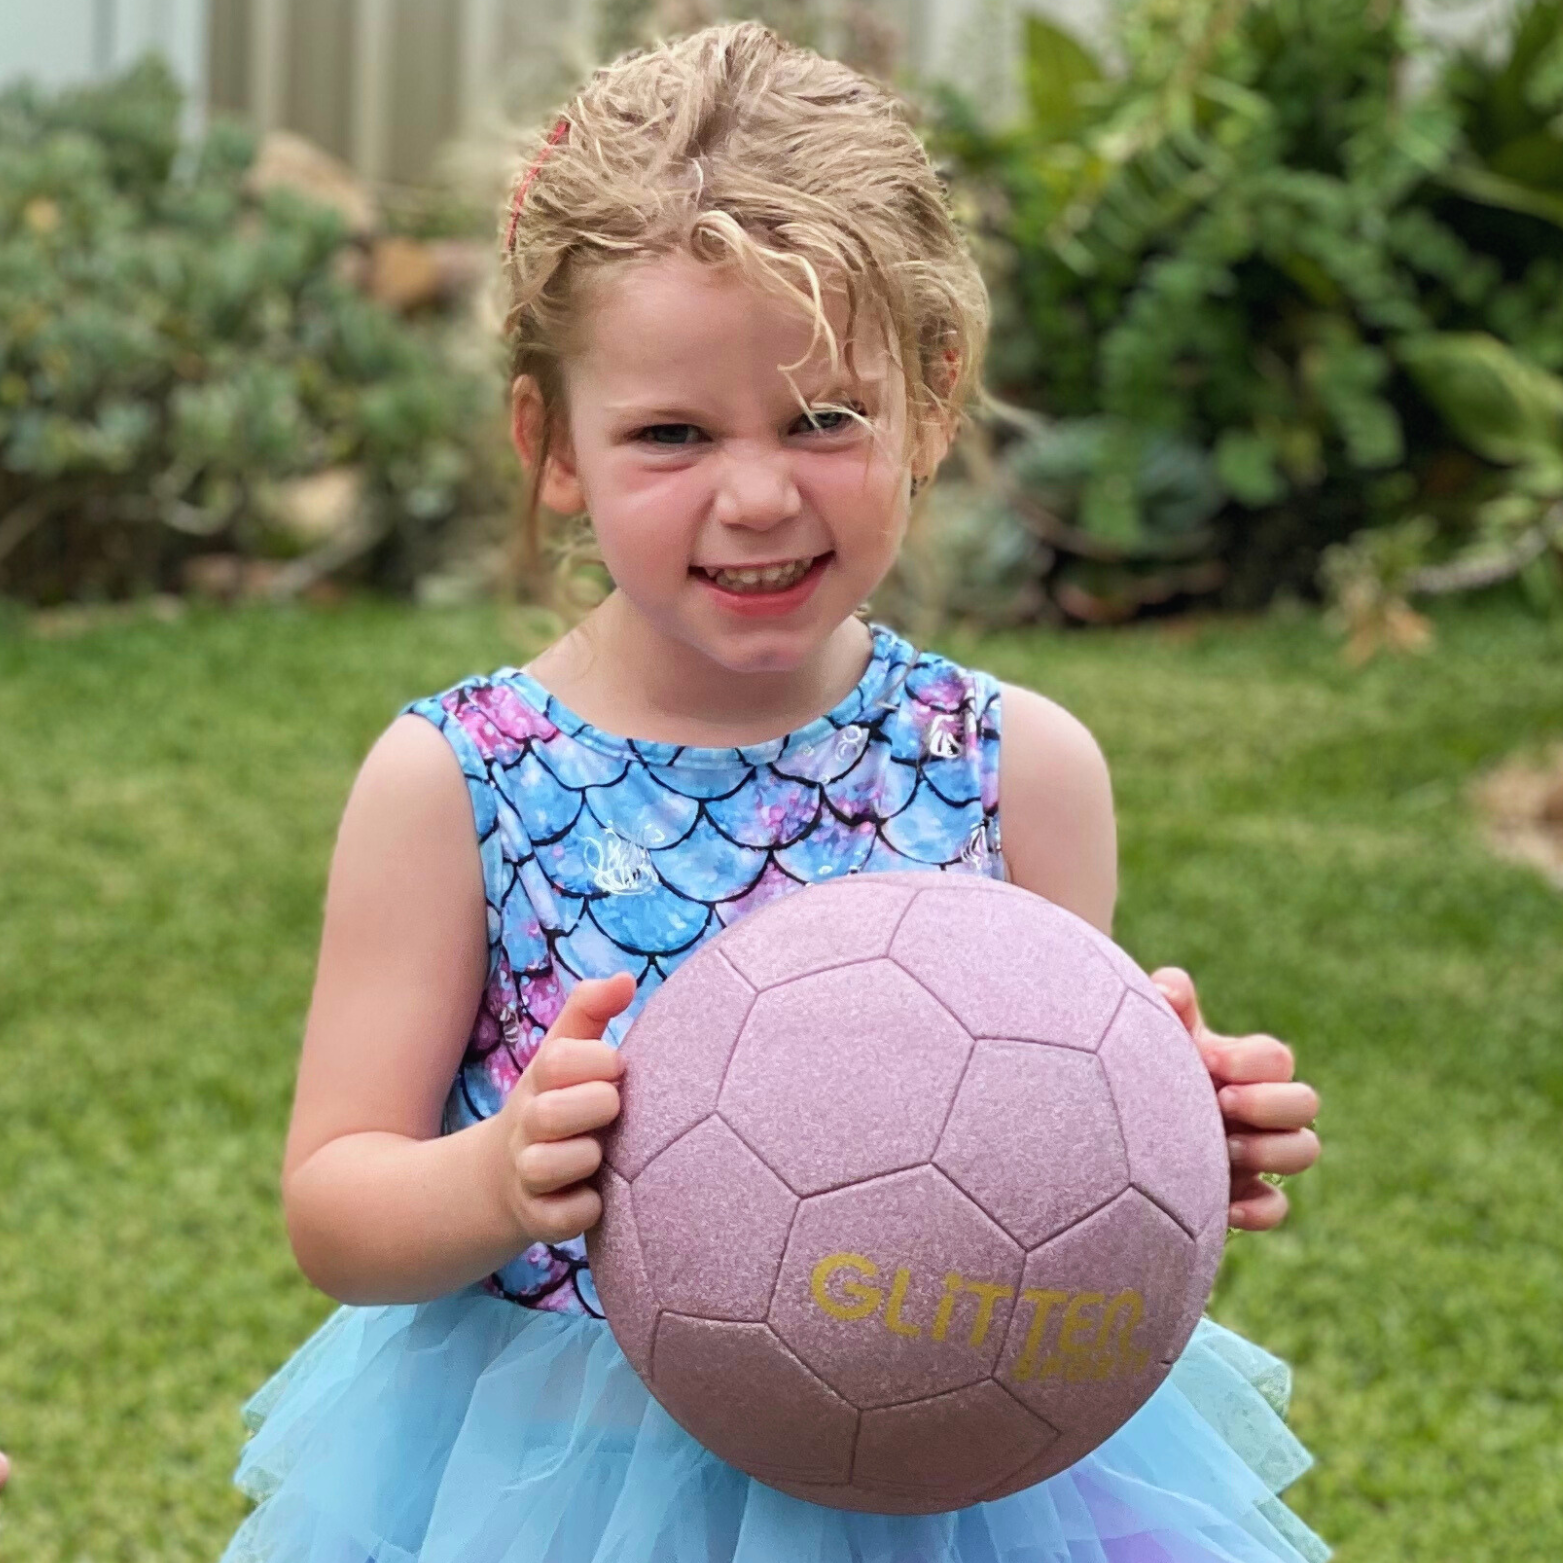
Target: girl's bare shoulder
(1056, 807)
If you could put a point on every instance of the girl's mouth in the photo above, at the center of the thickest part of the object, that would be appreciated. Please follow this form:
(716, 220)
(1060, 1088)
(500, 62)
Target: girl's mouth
(767, 590)
(750, 581)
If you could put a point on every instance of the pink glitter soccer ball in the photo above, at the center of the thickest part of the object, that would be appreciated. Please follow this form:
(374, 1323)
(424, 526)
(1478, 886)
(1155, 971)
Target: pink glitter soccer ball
(918, 1188)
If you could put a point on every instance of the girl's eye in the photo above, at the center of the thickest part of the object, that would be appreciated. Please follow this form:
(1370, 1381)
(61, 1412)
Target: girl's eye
(829, 420)
(669, 434)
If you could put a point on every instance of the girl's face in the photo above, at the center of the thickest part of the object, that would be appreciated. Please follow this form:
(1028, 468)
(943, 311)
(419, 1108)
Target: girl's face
(729, 522)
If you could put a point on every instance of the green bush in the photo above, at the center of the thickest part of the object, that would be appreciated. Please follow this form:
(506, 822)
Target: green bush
(1255, 242)
(171, 350)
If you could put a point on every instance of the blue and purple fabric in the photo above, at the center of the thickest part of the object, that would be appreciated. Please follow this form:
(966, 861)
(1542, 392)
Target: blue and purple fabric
(502, 1424)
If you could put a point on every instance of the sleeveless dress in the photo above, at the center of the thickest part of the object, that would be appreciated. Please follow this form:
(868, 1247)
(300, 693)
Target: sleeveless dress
(501, 1423)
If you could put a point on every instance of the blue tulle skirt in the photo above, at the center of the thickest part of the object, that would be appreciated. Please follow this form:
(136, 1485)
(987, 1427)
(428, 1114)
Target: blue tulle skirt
(470, 1430)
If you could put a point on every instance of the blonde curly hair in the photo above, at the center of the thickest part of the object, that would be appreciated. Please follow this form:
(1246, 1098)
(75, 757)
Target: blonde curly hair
(739, 148)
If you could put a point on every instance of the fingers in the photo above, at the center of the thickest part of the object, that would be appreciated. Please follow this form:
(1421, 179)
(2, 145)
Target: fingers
(570, 1110)
(555, 1218)
(546, 1166)
(566, 1061)
(592, 1004)
(1242, 1060)
(573, 1050)
(1256, 1206)
(1177, 988)
(1269, 1106)
(1295, 1151)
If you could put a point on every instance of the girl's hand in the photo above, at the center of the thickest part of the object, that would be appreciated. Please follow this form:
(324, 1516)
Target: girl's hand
(563, 1095)
(1269, 1116)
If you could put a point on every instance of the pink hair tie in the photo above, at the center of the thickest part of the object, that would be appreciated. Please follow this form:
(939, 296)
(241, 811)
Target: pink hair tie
(555, 136)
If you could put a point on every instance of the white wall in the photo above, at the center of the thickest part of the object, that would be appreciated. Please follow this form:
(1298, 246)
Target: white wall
(59, 42)
(1462, 21)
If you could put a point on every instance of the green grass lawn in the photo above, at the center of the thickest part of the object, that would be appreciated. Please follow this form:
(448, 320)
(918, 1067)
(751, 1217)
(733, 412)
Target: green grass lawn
(1296, 834)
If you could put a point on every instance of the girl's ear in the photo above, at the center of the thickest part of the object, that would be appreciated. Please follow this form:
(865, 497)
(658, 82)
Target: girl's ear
(933, 446)
(559, 487)
(937, 433)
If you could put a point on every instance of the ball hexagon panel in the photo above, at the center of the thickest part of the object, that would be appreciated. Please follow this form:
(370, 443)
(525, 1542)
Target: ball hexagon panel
(793, 940)
(689, 1028)
(841, 1040)
(808, 1431)
(1097, 1316)
(618, 1267)
(931, 1454)
(690, 1202)
(896, 1288)
(1168, 1110)
(1033, 1138)
(1035, 940)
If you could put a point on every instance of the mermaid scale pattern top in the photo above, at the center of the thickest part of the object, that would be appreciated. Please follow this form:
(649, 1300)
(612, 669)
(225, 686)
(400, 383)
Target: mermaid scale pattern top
(502, 1424)
(602, 855)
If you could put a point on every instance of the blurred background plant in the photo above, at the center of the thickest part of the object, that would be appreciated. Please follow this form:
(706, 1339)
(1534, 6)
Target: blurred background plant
(1285, 298)
(209, 379)
(1278, 306)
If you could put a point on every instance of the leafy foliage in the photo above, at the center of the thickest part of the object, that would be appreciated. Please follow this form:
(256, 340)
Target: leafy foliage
(1255, 241)
(172, 349)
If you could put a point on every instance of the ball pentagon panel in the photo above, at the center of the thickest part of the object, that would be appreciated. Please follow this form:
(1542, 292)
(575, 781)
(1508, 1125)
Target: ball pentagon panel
(1098, 1316)
(793, 941)
(1033, 1138)
(1134, 978)
(1208, 1248)
(1168, 1111)
(691, 1027)
(808, 1431)
(1033, 942)
(695, 1267)
(875, 1056)
(619, 1269)
(930, 1454)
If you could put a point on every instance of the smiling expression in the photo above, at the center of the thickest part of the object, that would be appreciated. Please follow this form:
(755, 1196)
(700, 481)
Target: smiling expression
(732, 520)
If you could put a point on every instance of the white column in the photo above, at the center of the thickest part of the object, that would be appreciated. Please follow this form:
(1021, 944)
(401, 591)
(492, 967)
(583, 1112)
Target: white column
(581, 28)
(268, 62)
(478, 60)
(176, 29)
(374, 58)
(975, 46)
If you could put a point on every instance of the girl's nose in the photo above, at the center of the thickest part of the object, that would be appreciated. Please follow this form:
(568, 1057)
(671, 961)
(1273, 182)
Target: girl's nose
(756, 492)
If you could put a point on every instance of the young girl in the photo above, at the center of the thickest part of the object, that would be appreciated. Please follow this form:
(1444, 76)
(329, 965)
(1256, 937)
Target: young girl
(743, 326)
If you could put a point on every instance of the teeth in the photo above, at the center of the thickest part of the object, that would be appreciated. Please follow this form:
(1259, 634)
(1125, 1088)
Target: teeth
(776, 577)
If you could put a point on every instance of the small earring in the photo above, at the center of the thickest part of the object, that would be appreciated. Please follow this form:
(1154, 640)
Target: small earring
(917, 483)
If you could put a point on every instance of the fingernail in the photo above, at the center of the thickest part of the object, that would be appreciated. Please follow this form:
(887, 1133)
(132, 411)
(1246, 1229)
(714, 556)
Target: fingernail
(1236, 1146)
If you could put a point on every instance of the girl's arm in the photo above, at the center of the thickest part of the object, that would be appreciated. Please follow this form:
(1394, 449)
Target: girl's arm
(1056, 823)
(380, 1206)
